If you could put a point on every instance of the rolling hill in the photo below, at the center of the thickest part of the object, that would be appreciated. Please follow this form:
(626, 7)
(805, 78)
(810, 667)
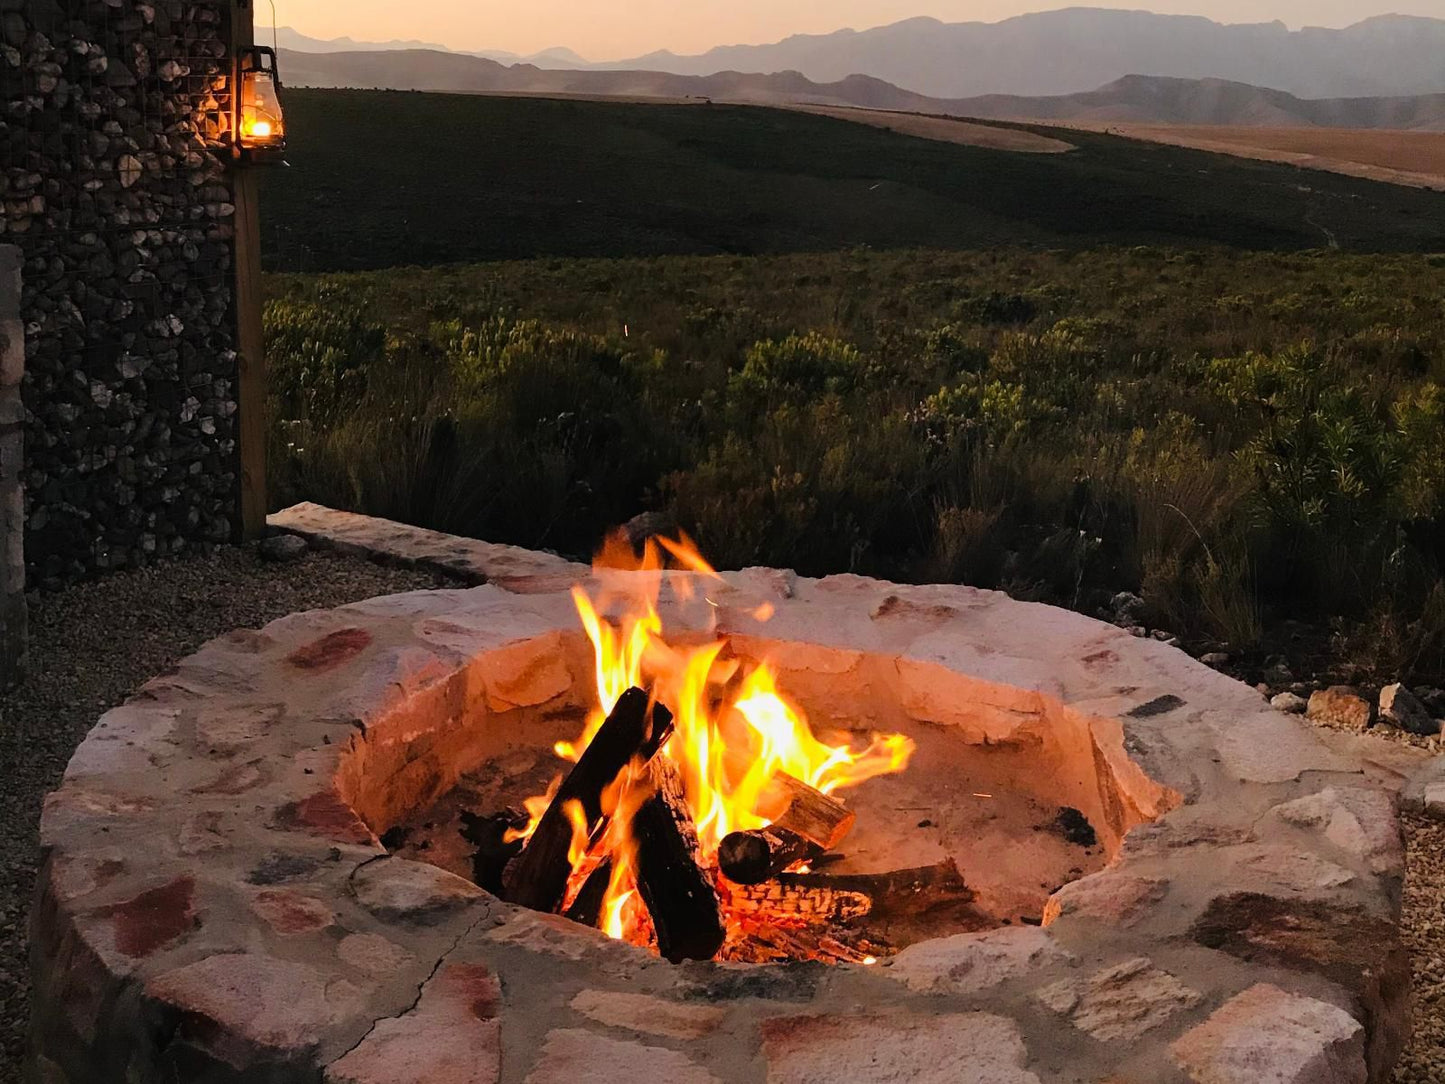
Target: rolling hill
(1160, 100)
(1135, 99)
(381, 179)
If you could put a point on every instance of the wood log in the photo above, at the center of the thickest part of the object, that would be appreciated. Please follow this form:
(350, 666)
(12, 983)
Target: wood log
(537, 878)
(820, 818)
(899, 892)
(493, 854)
(781, 902)
(750, 858)
(850, 897)
(586, 907)
(676, 889)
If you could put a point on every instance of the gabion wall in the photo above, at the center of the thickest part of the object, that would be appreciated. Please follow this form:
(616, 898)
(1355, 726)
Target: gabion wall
(114, 184)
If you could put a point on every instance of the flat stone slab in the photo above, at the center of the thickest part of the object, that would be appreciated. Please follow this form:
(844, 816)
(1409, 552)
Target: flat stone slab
(215, 900)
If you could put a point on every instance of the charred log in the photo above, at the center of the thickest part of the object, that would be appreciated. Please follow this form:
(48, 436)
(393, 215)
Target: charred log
(538, 877)
(489, 835)
(676, 889)
(586, 907)
(750, 858)
(889, 909)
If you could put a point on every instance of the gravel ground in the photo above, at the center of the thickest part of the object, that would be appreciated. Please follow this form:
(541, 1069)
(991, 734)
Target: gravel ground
(91, 646)
(1424, 1060)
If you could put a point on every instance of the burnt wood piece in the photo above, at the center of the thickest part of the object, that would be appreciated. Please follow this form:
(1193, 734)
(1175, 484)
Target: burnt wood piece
(538, 877)
(586, 908)
(677, 891)
(900, 892)
(750, 858)
(851, 897)
(777, 902)
(489, 834)
(817, 817)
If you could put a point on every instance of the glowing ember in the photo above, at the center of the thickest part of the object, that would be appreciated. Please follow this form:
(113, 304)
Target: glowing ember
(735, 731)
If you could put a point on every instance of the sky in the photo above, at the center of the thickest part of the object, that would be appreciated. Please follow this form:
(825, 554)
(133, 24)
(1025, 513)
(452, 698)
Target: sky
(618, 29)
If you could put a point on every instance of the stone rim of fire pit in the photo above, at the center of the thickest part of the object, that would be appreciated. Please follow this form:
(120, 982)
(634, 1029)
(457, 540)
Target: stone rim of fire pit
(211, 907)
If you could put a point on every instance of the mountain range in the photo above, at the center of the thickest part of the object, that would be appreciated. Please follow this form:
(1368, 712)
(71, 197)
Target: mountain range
(1079, 49)
(1133, 99)
(1070, 51)
(295, 41)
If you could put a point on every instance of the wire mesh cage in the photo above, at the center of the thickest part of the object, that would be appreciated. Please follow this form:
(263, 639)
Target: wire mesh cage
(116, 133)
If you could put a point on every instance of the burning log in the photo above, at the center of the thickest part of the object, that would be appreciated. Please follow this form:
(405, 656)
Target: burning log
(817, 817)
(677, 891)
(783, 901)
(806, 823)
(850, 897)
(750, 858)
(537, 878)
(586, 907)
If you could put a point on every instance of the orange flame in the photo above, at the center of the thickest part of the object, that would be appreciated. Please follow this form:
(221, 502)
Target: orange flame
(731, 738)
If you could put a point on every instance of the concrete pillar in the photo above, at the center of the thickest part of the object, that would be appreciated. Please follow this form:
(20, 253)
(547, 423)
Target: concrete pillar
(12, 454)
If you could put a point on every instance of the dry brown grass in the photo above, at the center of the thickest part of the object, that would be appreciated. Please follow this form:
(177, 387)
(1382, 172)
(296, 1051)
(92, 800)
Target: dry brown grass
(1409, 158)
(943, 129)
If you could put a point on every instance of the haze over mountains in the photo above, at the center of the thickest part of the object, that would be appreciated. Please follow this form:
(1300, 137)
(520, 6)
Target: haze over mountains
(1133, 99)
(1069, 51)
(1080, 49)
(287, 38)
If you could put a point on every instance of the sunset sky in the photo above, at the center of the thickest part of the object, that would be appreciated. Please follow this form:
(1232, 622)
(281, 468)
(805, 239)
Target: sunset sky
(615, 29)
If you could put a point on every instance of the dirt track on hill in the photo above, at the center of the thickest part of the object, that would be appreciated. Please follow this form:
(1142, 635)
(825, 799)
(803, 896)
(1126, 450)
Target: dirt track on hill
(943, 129)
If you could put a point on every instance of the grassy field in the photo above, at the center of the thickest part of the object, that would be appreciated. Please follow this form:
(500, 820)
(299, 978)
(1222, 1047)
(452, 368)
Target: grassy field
(1242, 438)
(381, 179)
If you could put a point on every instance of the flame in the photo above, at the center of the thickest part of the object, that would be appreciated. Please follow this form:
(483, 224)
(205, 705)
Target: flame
(581, 832)
(732, 735)
(535, 807)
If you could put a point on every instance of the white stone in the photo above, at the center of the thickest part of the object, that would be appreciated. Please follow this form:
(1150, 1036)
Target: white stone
(1268, 1036)
(396, 890)
(1289, 703)
(1360, 822)
(1435, 800)
(1267, 747)
(571, 1056)
(901, 1048)
(969, 963)
(1295, 870)
(1121, 1002)
(638, 1012)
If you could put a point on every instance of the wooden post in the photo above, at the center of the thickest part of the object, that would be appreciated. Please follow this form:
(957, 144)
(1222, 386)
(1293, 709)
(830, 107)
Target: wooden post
(250, 344)
(13, 630)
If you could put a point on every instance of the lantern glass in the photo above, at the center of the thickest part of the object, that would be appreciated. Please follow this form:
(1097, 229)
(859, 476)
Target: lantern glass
(262, 122)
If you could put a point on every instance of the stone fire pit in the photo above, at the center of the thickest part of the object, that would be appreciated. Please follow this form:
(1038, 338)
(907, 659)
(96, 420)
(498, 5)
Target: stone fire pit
(216, 904)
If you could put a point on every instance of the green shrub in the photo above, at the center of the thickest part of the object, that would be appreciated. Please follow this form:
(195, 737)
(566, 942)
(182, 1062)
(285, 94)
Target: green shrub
(318, 357)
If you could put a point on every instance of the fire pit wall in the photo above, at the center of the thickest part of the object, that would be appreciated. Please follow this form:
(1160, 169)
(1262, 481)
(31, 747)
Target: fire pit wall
(216, 906)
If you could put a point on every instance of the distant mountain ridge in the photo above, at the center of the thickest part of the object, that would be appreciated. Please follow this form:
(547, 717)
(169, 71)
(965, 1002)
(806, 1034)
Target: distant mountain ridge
(1054, 53)
(288, 38)
(1078, 49)
(1132, 99)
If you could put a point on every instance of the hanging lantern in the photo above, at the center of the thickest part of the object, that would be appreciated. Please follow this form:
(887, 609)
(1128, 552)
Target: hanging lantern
(260, 122)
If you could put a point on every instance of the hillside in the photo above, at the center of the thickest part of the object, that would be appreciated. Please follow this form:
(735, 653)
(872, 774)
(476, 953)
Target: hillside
(1078, 49)
(1142, 99)
(432, 70)
(1135, 99)
(381, 179)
